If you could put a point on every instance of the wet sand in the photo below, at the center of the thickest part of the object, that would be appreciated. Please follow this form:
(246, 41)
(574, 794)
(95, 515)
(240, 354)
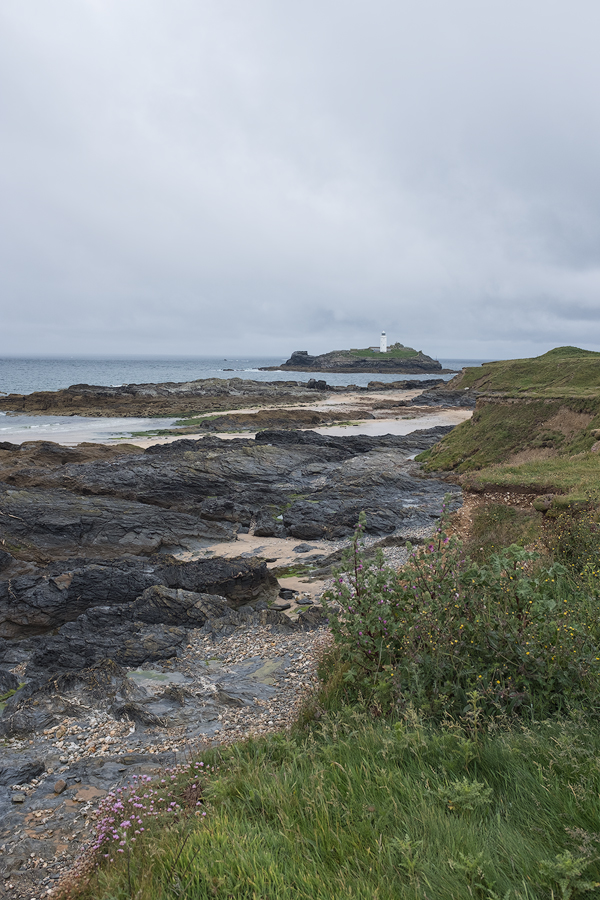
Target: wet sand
(400, 425)
(73, 430)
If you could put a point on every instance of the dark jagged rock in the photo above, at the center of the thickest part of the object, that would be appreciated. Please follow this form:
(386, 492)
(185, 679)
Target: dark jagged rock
(49, 697)
(444, 398)
(408, 385)
(21, 774)
(61, 508)
(177, 607)
(6, 560)
(151, 628)
(267, 526)
(353, 444)
(165, 399)
(37, 602)
(177, 494)
(8, 682)
(61, 521)
(311, 618)
(275, 418)
(105, 633)
(135, 712)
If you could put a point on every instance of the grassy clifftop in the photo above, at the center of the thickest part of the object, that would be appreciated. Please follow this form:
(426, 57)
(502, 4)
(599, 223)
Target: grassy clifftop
(536, 425)
(562, 372)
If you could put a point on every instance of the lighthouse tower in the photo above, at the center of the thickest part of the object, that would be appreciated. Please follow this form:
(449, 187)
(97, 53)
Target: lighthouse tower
(383, 343)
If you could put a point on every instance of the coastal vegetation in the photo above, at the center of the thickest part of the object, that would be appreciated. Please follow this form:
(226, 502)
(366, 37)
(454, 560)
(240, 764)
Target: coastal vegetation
(562, 372)
(536, 426)
(450, 752)
(363, 807)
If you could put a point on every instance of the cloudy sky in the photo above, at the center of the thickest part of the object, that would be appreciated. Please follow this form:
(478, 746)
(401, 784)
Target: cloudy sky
(225, 176)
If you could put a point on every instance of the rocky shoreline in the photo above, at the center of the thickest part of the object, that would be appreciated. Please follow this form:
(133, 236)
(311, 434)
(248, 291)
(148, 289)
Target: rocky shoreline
(124, 640)
(184, 399)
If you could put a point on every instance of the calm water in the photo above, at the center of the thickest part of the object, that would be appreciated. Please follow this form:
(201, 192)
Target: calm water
(23, 376)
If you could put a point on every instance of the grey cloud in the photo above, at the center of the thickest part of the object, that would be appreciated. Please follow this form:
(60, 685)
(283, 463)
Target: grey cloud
(221, 176)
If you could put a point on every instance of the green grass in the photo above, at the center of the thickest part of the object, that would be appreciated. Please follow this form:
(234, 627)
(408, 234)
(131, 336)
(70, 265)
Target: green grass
(500, 429)
(497, 525)
(562, 372)
(573, 477)
(403, 353)
(8, 695)
(549, 405)
(362, 808)
(495, 431)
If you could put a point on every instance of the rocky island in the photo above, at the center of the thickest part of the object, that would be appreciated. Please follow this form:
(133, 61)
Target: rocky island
(396, 358)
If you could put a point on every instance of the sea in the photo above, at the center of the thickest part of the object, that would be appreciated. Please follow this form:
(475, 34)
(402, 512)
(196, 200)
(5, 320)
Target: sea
(20, 375)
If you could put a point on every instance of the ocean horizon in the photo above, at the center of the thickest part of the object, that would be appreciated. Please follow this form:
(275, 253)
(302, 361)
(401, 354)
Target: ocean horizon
(24, 375)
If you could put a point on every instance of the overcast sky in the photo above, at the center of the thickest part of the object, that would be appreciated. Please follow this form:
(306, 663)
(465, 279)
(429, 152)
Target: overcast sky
(225, 176)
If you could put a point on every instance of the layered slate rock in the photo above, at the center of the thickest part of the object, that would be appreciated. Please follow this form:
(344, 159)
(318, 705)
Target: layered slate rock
(173, 496)
(80, 530)
(87, 657)
(61, 521)
(49, 597)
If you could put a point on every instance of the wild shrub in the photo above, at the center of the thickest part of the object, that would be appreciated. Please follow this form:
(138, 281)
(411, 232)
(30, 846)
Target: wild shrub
(573, 537)
(449, 635)
(498, 525)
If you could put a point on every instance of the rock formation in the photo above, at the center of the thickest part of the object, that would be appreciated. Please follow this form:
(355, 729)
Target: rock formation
(352, 361)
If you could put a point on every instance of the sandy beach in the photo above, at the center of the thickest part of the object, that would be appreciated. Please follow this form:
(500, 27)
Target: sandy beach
(73, 430)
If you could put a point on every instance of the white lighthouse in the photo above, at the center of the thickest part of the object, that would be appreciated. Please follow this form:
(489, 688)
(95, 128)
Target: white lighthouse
(383, 343)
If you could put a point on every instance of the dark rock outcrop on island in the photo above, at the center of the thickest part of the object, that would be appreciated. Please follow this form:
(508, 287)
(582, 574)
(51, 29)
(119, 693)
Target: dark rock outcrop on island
(352, 361)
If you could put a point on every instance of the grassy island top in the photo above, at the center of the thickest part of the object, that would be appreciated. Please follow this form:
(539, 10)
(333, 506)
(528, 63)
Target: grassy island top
(396, 351)
(562, 372)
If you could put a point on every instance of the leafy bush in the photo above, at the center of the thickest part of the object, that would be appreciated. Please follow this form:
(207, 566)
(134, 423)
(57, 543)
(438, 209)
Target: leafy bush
(451, 636)
(497, 525)
(573, 537)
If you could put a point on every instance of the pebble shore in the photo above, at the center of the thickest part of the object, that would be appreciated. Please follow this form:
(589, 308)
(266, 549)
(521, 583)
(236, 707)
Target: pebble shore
(59, 804)
(87, 757)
